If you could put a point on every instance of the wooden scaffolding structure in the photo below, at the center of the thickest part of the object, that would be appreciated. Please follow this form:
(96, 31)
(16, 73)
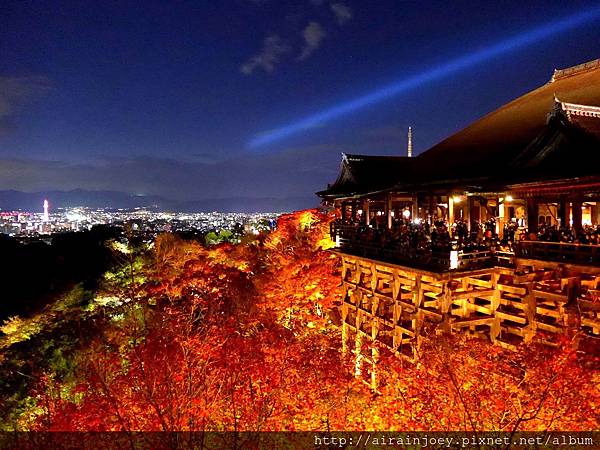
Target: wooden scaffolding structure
(390, 304)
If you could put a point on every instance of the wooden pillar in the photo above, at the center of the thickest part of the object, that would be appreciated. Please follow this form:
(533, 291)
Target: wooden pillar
(358, 345)
(530, 311)
(374, 336)
(432, 209)
(469, 207)
(563, 213)
(367, 212)
(414, 208)
(345, 325)
(495, 326)
(450, 212)
(388, 209)
(501, 219)
(532, 215)
(595, 214)
(577, 226)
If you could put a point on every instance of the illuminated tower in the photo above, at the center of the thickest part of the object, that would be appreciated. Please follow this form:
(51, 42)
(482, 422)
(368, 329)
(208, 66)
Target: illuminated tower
(46, 215)
(409, 142)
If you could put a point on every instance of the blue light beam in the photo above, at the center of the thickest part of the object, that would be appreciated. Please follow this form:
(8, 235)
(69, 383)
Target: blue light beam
(448, 68)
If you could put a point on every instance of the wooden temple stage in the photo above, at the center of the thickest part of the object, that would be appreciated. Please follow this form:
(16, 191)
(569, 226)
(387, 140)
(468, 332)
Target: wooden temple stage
(534, 302)
(495, 231)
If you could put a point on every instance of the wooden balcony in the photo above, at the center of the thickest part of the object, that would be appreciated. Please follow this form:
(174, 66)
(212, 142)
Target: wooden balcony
(561, 252)
(349, 239)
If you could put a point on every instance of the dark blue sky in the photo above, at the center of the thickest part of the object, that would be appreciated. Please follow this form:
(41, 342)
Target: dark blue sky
(164, 97)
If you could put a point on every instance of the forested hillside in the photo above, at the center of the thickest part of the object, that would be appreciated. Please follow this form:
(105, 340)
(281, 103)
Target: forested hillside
(182, 337)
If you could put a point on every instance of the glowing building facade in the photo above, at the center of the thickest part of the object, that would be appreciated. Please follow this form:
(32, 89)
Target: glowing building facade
(46, 216)
(494, 231)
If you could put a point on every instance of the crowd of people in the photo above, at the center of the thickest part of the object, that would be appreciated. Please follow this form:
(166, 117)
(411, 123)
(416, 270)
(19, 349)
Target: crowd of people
(551, 233)
(421, 237)
(418, 237)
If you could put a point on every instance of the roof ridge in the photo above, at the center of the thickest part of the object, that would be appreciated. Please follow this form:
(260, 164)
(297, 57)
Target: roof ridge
(574, 70)
(578, 109)
(355, 156)
(581, 110)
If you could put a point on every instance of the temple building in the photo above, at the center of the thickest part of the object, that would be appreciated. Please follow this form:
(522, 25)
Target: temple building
(494, 231)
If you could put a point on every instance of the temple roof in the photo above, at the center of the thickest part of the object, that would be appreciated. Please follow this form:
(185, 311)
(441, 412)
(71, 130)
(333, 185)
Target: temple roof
(547, 133)
(363, 174)
(583, 116)
(568, 146)
(502, 134)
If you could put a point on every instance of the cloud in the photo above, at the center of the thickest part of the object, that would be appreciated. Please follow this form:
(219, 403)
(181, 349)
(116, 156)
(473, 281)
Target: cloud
(15, 92)
(313, 37)
(342, 12)
(269, 56)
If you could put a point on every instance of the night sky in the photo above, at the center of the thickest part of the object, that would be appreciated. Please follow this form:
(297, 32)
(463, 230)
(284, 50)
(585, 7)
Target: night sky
(164, 98)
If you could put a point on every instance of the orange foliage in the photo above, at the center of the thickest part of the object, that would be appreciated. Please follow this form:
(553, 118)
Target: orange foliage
(243, 338)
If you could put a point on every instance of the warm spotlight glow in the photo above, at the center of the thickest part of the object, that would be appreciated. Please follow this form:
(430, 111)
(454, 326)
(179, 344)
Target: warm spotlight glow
(406, 214)
(457, 199)
(454, 259)
(508, 198)
(434, 73)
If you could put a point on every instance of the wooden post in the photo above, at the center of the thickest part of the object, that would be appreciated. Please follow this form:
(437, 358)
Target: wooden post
(374, 336)
(445, 306)
(450, 212)
(396, 338)
(530, 312)
(388, 208)
(432, 209)
(414, 211)
(563, 213)
(358, 345)
(345, 325)
(495, 327)
(367, 212)
(532, 215)
(469, 207)
(501, 219)
(577, 225)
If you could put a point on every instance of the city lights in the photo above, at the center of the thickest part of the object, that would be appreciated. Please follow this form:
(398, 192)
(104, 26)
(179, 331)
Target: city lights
(31, 224)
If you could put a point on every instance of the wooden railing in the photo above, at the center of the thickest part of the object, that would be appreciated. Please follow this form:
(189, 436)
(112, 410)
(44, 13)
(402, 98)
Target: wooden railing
(348, 239)
(559, 252)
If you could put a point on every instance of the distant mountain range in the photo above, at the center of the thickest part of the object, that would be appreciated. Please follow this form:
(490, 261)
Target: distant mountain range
(15, 200)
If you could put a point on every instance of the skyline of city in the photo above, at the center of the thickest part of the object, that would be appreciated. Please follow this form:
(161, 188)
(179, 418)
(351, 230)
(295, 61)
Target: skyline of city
(47, 221)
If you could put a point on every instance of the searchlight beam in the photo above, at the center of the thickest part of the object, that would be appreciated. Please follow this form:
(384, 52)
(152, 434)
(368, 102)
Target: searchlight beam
(455, 65)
